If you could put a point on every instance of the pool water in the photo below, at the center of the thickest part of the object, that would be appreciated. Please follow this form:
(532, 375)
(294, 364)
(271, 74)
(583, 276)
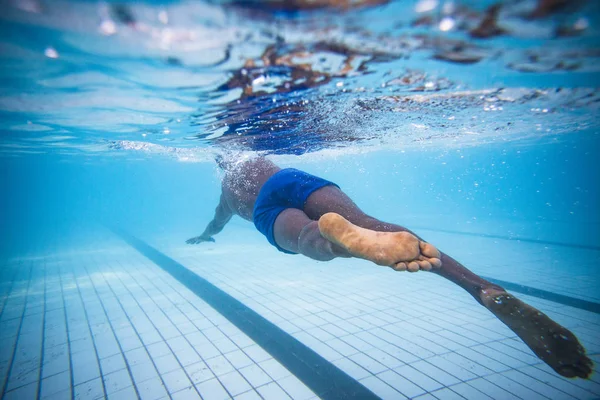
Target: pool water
(112, 115)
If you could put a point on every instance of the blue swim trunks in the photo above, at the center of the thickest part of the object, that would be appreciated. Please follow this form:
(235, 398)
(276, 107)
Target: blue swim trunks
(288, 188)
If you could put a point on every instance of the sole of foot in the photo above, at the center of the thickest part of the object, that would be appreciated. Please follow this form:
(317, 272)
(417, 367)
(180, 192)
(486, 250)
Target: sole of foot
(552, 343)
(402, 251)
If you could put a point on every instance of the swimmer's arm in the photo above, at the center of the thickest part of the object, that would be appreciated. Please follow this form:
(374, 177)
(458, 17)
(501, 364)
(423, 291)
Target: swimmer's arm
(222, 216)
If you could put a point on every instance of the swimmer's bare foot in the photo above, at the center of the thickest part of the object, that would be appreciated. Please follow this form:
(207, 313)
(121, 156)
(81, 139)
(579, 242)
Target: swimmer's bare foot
(399, 250)
(552, 343)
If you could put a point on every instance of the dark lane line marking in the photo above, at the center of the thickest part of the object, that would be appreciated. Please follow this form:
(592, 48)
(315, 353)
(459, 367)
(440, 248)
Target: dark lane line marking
(514, 239)
(546, 295)
(325, 379)
(528, 290)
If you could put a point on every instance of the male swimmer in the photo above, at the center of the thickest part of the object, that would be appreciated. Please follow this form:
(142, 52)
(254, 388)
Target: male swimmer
(305, 214)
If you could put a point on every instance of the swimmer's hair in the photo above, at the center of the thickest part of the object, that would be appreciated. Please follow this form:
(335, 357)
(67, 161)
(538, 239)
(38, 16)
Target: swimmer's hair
(228, 159)
(220, 161)
(223, 162)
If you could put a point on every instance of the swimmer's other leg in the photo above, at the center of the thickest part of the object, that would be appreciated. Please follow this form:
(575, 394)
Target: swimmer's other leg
(295, 232)
(551, 342)
(400, 250)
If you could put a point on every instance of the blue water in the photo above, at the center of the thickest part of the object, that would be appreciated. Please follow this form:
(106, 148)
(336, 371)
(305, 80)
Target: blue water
(512, 191)
(111, 116)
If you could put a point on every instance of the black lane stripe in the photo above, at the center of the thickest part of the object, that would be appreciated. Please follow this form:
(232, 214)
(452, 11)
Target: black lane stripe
(528, 290)
(516, 238)
(546, 295)
(325, 379)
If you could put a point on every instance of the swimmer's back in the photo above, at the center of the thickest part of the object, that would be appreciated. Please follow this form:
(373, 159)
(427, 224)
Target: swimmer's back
(243, 181)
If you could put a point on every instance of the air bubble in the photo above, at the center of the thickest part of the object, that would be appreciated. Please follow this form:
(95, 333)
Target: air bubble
(50, 52)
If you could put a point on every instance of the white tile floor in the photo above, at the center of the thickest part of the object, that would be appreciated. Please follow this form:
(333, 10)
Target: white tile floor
(112, 324)
(564, 270)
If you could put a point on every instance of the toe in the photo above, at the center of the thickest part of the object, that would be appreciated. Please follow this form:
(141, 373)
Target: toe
(429, 250)
(413, 266)
(400, 266)
(573, 371)
(435, 262)
(585, 368)
(424, 265)
(567, 372)
(584, 372)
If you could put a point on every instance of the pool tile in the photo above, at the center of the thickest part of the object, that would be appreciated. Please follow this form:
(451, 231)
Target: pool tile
(176, 380)
(112, 363)
(249, 395)
(123, 394)
(143, 372)
(469, 392)
(234, 383)
(238, 359)
(272, 391)
(255, 375)
(139, 317)
(152, 389)
(56, 383)
(381, 389)
(212, 390)
(186, 394)
(402, 385)
(89, 390)
(117, 381)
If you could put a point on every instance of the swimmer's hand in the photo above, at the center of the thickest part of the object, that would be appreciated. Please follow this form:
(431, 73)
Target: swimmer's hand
(200, 239)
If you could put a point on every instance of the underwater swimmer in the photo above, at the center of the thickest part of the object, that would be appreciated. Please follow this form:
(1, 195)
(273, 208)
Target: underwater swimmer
(303, 214)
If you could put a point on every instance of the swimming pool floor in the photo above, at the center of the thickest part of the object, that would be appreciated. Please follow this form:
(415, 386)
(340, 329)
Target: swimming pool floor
(109, 322)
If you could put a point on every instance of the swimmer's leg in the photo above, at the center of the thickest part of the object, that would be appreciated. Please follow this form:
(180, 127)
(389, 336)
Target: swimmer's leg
(366, 237)
(551, 342)
(330, 199)
(295, 232)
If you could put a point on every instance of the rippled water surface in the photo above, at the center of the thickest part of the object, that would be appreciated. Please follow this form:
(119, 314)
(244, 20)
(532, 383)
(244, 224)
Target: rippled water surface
(473, 123)
(193, 78)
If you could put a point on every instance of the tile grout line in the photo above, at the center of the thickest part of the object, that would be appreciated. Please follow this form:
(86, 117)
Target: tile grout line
(324, 378)
(158, 331)
(535, 379)
(68, 334)
(8, 292)
(547, 295)
(252, 388)
(4, 304)
(112, 328)
(92, 335)
(568, 381)
(152, 361)
(448, 350)
(511, 239)
(39, 388)
(14, 351)
(205, 360)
